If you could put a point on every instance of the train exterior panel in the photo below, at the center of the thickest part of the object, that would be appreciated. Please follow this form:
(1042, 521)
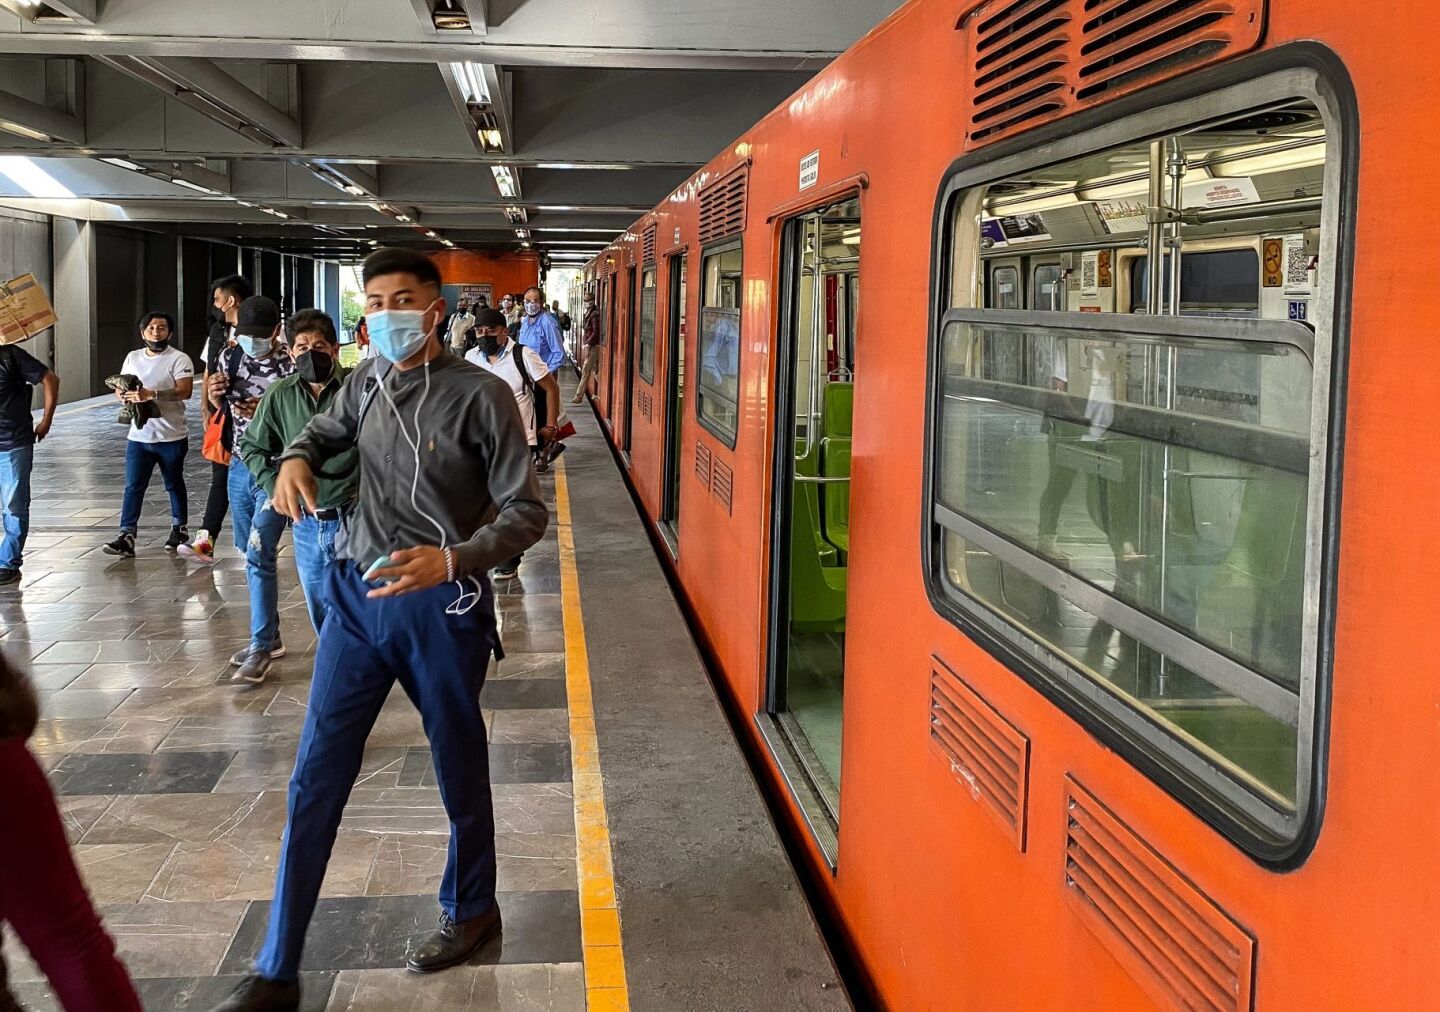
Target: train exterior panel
(946, 905)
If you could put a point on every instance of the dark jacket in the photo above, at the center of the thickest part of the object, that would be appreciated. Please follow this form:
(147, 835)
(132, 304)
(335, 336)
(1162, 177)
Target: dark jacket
(592, 326)
(19, 710)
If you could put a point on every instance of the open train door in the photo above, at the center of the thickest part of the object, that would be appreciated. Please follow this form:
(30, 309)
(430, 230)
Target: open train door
(810, 533)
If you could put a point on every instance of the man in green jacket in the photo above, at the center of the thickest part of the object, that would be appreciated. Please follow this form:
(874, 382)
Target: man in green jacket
(284, 410)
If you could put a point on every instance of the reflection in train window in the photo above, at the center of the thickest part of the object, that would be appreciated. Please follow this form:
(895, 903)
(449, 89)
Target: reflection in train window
(1131, 507)
(717, 378)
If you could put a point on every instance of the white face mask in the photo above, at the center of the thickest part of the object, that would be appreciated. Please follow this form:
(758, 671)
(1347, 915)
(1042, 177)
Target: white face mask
(398, 334)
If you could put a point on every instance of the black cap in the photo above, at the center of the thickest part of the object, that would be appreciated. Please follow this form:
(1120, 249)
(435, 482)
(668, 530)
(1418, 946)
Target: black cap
(488, 317)
(258, 316)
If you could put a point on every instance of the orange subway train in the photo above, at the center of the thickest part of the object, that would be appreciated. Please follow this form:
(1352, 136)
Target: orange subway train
(1027, 419)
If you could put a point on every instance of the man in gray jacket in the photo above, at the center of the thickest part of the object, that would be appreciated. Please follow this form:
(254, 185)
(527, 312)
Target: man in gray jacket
(447, 492)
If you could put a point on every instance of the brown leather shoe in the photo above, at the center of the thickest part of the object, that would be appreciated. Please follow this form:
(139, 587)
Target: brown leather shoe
(453, 943)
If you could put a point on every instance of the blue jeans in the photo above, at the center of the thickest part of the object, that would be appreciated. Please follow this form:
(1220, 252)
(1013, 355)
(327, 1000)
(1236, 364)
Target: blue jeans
(257, 530)
(140, 461)
(314, 552)
(440, 660)
(15, 502)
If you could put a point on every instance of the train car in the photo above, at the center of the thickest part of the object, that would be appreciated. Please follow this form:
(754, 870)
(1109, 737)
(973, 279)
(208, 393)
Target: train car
(993, 400)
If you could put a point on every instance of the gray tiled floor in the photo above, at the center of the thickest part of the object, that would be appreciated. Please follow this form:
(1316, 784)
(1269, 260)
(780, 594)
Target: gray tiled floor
(172, 781)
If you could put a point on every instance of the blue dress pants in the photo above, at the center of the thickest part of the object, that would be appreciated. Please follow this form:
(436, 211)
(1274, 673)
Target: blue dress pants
(440, 659)
(258, 529)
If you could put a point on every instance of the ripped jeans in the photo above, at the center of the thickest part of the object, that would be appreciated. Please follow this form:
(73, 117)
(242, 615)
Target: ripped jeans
(257, 534)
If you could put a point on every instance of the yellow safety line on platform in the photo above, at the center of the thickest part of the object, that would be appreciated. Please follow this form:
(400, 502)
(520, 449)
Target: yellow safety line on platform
(605, 985)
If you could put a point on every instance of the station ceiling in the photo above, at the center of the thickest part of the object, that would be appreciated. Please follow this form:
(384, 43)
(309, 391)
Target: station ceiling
(327, 127)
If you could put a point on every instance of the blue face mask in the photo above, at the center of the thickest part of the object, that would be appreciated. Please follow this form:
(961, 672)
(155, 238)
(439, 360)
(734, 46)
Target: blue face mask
(397, 334)
(255, 347)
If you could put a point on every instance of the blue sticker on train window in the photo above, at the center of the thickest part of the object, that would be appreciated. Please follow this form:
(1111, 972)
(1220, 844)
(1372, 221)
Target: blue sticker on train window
(1298, 311)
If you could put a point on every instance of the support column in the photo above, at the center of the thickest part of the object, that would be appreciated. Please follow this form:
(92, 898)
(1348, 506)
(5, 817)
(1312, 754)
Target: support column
(74, 301)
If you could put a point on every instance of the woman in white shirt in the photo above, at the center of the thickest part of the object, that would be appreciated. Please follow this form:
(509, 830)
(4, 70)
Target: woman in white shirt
(167, 377)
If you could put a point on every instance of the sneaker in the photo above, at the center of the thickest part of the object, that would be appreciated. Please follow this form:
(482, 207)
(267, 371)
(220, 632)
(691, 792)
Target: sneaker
(123, 546)
(254, 669)
(507, 572)
(9, 576)
(177, 538)
(240, 656)
(256, 994)
(201, 550)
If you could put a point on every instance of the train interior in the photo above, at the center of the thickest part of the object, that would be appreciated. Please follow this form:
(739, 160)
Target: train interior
(1147, 489)
(808, 662)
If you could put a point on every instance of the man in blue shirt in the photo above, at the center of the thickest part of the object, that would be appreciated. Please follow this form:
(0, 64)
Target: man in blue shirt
(540, 332)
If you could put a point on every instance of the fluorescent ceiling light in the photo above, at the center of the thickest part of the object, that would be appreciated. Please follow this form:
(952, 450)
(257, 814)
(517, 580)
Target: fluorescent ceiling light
(23, 131)
(31, 178)
(194, 186)
(491, 138)
(353, 190)
(505, 181)
(598, 231)
(524, 245)
(1257, 162)
(471, 79)
(522, 233)
(402, 217)
(125, 163)
(598, 166)
(850, 240)
(1029, 205)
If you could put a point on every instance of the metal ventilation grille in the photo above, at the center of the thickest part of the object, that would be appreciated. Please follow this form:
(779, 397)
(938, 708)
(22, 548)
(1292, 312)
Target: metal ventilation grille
(1126, 41)
(984, 751)
(646, 403)
(722, 207)
(1177, 943)
(722, 484)
(1020, 54)
(1035, 60)
(702, 463)
(648, 246)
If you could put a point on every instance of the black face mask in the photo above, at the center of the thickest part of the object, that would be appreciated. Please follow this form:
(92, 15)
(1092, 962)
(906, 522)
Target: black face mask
(315, 366)
(489, 344)
(156, 346)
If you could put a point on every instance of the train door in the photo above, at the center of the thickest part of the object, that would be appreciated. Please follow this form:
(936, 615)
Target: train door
(674, 401)
(607, 327)
(632, 302)
(810, 534)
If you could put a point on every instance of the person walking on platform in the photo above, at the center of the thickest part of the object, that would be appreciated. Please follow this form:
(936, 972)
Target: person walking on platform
(561, 317)
(42, 897)
(530, 381)
(226, 295)
(540, 331)
(167, 378)
(245, 373)
(590, 343)
(19, 432)
(446, 493)
(284, 410)
(510, 306)
(461, 325)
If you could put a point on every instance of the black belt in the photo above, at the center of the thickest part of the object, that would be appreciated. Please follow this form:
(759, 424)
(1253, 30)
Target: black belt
(327, 514)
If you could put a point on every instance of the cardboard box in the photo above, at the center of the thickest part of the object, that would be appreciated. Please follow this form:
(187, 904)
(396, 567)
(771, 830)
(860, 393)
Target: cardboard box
(25, 309)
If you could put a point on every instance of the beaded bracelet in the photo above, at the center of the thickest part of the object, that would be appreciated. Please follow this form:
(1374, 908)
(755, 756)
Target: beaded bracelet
(449, 565)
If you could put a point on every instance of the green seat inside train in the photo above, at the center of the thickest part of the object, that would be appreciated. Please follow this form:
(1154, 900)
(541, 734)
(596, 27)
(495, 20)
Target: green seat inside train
(820, 519)
(837, 412)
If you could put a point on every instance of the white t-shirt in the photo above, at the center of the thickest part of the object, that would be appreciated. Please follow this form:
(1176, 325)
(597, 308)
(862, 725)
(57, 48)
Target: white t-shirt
(504, 367)
(161, 372)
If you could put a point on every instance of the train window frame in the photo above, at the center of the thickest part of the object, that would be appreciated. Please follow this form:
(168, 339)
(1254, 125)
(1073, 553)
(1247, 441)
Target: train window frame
(647, 339)
(715, 249)
(1302, 72)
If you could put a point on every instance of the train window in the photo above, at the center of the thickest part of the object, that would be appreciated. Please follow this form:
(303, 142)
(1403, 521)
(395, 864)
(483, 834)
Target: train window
(1220, 282)
(717, 381)
(1004, 288)
(647, 326)
(1133, 510)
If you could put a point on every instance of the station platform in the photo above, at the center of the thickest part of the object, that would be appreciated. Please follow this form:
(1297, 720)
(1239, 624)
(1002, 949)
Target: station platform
(638, 866)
